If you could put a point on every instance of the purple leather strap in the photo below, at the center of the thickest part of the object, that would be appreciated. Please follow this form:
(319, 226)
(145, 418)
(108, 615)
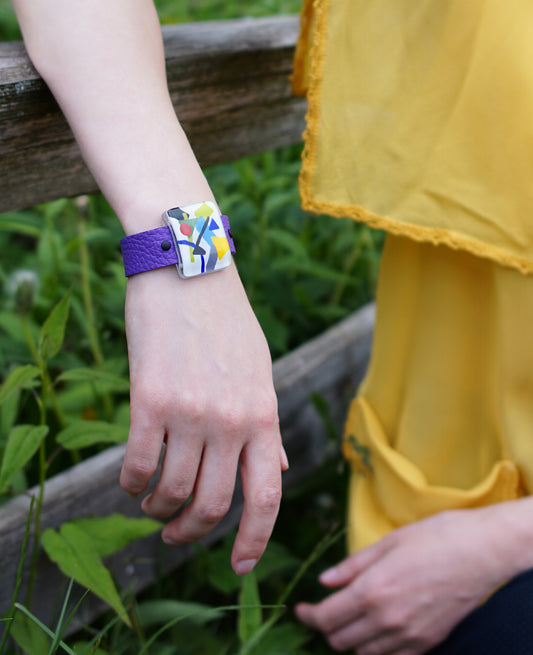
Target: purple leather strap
(146, 250)
(227, 230)
(155, 249)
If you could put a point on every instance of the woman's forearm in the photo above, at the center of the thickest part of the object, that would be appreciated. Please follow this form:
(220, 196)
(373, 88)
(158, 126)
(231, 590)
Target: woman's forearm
(104, 62)
(200, 369)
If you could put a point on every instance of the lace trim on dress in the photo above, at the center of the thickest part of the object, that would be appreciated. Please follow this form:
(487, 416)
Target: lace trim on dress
(307, 79)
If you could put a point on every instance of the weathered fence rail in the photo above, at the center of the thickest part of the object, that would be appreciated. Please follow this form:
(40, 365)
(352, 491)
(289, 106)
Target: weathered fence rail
(229, 81)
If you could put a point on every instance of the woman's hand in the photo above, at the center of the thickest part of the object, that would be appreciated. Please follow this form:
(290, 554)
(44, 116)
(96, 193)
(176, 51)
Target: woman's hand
(201, 382)
(201, 377)
(404, 594)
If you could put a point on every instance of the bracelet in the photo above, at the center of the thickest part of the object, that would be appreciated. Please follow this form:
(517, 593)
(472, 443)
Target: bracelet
(196, 238)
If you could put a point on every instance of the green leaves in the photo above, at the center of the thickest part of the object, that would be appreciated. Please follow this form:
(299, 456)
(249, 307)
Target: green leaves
(85, 648)
(221, 576)
(104, 379)
(22, 444)
(154, 612)
(53, 331)
(29, 635)
(34, 637)
(110, 534)
(80, 434)
(16, 380)
(276, 331)
(73, 552)
(250, 615)
(26, 223)
(78, 547)
(286, 639)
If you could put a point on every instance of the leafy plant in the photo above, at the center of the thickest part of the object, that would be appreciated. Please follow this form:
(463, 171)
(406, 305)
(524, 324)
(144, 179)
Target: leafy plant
(256, 635)
(79, 546)
(63, 401)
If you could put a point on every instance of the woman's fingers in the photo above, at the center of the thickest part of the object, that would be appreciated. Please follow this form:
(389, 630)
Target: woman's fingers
(350, 567)
(202, 376)
(261, 482)
(211, 498)
(142, 454)
(178, 476)
(333, 613)
(207, 468)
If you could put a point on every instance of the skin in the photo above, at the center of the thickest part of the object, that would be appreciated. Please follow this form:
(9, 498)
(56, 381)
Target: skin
(200, 369)
(206, 436)
(404, 594)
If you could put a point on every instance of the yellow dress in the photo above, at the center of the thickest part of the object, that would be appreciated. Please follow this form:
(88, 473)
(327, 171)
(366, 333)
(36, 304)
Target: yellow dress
(420, 122)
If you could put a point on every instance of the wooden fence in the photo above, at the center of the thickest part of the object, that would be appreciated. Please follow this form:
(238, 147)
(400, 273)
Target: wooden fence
(229, 82)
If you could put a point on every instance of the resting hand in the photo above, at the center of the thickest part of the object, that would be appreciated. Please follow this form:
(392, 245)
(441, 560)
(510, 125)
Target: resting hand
(200, 369)
(404, 594)
(201, 381)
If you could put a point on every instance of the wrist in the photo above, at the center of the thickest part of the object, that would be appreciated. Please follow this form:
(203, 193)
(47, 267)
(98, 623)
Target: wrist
(516, 527)
(137, 214)
(151, 175)
(163, 287)
(507, 534)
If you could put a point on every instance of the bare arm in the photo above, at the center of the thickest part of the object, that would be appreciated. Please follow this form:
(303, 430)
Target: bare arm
(200, 370)
(104, 62)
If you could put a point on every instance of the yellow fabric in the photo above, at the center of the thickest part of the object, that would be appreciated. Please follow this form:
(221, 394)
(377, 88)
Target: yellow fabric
(444, 418)
(420, 120)
(420, 123)
(300, 75)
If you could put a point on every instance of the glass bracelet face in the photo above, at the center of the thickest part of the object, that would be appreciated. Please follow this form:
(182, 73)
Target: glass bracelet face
(199, 237)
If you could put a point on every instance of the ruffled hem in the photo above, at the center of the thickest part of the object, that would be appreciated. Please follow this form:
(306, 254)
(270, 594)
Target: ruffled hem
(435, 236)
(307, 80)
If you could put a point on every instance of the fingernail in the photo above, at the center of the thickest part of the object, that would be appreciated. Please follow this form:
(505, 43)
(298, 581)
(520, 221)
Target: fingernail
(145, 502)
(170, 542)
(284, 460)
(328, 576)
(245, 566)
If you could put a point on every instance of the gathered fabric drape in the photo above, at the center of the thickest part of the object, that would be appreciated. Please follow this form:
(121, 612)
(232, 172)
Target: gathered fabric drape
(420, 123)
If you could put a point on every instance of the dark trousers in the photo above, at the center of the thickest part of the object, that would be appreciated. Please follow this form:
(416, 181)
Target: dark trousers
(503, 625)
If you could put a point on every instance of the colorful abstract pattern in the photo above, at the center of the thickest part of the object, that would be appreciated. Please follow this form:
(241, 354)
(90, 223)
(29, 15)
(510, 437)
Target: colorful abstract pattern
(199, 237)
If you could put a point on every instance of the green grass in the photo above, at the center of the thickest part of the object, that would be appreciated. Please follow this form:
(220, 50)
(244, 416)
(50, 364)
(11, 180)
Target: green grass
(171, 11)
(178, 11)
(9, 29)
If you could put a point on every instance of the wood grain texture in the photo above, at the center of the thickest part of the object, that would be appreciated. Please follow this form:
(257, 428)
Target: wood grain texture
(331, 365)
(229, 82)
